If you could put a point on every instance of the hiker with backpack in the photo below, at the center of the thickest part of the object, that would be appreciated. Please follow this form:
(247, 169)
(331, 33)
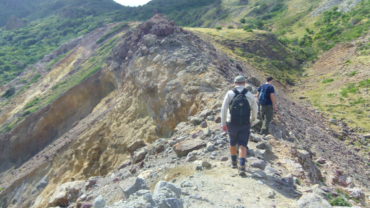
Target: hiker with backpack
(267, 103)
(236, 120)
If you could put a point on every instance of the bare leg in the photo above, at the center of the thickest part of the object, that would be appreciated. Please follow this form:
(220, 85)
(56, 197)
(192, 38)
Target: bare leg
(233, 150)
(242, 152)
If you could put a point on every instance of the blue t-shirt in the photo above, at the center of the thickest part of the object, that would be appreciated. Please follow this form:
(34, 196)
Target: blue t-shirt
(270, 89)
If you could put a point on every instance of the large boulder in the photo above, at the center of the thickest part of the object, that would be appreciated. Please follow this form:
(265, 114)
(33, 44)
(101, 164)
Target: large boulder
(265, 146)
(135, 145)
(99, 202)
(311, 171)
(184, 147)
(64, 192)
(167, 195)
(259, 164)
(132, 185)
(139, 155)
(358, 194)
(312, 200)
(254, 81)
(149, 40)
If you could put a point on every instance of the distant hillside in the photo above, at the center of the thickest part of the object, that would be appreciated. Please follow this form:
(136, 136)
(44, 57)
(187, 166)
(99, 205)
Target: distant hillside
(36, 9)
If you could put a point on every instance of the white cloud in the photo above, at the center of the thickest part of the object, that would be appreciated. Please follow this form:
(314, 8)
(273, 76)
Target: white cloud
(132, 2)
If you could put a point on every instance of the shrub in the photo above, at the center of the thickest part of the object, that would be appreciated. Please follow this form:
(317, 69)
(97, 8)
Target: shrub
(352, 73)
(230, 27)
(218, 28)
(26, 113)
(365, 83)
(327, 80)
(242, 20)
(339, 201)
(299, 181)
(10, 92)
(35, 78)
(344, 92)
(356, 19)
(347, 61)
(259, 24)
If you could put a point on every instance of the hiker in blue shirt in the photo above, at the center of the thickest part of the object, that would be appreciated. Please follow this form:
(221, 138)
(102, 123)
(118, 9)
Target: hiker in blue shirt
(267, 101)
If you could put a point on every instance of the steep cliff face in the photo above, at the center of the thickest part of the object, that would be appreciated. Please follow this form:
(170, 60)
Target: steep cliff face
(154, 80)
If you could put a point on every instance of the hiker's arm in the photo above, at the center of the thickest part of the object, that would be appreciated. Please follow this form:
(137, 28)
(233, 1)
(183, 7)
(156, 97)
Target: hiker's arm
(258, 95)
(273, 101)
(254, 108)
(224, 109)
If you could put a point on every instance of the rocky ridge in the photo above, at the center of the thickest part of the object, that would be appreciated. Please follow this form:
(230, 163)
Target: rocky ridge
(167, 83)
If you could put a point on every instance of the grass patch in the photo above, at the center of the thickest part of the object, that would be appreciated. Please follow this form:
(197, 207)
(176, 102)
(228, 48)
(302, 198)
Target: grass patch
(10, 92)
(352, 74)
(339, 201)
(316, 163)
(114, 30)
(299, 181)
(330, 95)
(327, 80)
(32, 103)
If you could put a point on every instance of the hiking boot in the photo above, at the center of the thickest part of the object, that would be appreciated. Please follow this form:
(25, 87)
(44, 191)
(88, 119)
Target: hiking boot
(234, 165)
(241, 170)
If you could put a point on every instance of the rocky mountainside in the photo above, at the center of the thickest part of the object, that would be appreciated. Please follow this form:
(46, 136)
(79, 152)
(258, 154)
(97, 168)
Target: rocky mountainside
(131, 119)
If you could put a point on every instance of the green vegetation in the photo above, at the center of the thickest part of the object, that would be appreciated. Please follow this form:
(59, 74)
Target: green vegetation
(230, 27)
(10, 92)
(316, 163)
(62, 21)
(352, 74)
(331, 28)
(327, 80)
(218, 28)
(338, 201)
(36, 9)
(299, 181)
(25, 46)
(32, 103)
(114, 30)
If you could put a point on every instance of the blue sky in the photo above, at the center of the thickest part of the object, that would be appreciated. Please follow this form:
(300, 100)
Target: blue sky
(132, 2)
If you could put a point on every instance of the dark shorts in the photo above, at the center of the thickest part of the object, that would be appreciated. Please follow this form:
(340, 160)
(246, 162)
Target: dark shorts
(238, 134)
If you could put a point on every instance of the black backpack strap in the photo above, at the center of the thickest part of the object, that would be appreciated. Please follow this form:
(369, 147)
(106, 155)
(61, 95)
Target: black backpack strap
(244, 92)
(236, 92)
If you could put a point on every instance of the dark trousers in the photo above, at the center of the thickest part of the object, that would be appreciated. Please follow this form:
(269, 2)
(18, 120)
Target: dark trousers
(267, 112)
(238, 134)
